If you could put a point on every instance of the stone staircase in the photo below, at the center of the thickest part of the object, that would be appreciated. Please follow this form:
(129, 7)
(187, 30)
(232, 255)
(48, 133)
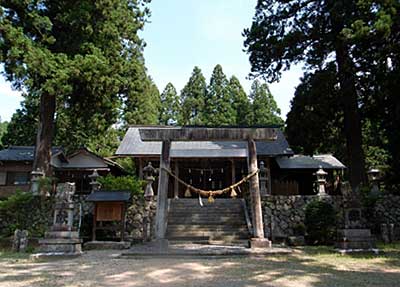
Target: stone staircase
(221, 222)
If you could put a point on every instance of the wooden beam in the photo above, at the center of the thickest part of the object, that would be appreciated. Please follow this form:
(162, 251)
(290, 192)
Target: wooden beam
(208, 134)
(162, 195)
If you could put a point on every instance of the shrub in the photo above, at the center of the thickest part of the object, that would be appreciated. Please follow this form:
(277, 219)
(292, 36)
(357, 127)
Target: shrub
(320, 222)
(299, 229)
(22, 210)
(131, 183)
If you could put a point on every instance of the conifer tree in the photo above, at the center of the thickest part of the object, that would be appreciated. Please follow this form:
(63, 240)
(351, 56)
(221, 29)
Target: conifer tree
(265, 109)
(241, 103)
(78, 54)
(142, 104)
(192, 99)
(219, 108)
(169, 105)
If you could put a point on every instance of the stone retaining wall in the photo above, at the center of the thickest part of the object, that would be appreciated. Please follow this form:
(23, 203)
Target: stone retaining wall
(283, 214)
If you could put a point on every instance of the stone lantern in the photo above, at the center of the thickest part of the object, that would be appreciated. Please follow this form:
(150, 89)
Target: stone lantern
(148, 173)
(95, 185)
(373, 177)
(36, 175)
(321, 181)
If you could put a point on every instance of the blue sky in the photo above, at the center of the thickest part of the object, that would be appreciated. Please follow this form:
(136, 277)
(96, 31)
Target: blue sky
(187, 33)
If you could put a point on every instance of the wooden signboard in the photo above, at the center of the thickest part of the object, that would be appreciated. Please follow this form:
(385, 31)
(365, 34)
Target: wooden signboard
(109, 211)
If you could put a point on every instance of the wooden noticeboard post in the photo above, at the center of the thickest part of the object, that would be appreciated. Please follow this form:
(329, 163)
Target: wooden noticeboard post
(109, 206)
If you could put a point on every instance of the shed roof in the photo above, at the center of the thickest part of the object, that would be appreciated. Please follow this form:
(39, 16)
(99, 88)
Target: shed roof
(133, 145)
(22, 153)
(326, 161)
(104, 195)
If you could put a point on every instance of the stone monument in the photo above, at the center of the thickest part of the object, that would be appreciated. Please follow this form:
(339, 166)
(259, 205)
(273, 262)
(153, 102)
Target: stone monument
(355, 236)
(20, 240)
(63, 238)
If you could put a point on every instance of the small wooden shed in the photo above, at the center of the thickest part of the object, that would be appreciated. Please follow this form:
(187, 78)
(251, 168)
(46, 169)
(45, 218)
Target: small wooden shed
(109, 207)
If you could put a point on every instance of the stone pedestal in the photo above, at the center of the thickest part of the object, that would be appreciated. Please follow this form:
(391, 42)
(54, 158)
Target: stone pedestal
(355, 240)
(354, 237)
(62, 239)
(61, 243)
(260, 243)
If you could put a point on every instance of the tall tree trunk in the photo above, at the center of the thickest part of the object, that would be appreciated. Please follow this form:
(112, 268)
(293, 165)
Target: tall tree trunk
(45, 134)
(352, 121)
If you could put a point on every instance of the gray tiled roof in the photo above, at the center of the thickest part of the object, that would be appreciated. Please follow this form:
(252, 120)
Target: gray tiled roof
(326, 161)
(21, 153)
(104, 195)
(133, 145)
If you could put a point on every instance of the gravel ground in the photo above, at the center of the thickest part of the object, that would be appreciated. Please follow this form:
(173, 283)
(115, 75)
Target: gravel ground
(103, 268)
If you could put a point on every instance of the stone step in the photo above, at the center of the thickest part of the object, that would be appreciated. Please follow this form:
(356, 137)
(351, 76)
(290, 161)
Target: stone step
(207, 220)
(227, 242)
(207, 233)
(182, 211)
(194, 227)
(213, 206)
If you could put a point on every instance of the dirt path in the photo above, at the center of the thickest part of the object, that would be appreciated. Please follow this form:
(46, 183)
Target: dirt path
(102, 268)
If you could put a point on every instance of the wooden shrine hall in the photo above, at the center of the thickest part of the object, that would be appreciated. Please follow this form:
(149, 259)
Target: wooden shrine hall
(213, 163)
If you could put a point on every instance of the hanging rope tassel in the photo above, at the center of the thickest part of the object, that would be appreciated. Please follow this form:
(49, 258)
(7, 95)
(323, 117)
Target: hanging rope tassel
(200, 201)
(211, 199)
(187, 192)
(233, 193)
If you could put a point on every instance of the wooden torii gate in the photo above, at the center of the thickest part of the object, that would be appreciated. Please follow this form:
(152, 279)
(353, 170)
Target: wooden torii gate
(167, 135)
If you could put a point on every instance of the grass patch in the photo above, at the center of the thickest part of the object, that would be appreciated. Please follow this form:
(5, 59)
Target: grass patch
(7, 254)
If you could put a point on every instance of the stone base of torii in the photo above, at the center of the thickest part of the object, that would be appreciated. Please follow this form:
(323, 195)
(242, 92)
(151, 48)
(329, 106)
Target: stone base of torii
(166, 136)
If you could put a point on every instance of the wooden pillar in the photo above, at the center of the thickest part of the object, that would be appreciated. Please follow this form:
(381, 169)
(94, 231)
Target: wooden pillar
(140, 168)
(257, 216)
(176, 183)
(233, 171)
(162, 195)
(269, 191)
(94, 222)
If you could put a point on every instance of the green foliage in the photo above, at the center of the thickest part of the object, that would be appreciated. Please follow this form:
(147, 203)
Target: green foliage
(320, 221)
(299, 229)
(357, 43)
(79, 56)
(142, 103)
(131, 183)
(24, 211)
(315, 118)
(127, 163)
(193, 99)
(241, 103)
(23, 125)
(3, 130)
(170, 106)
(219, 109)
(265, 109)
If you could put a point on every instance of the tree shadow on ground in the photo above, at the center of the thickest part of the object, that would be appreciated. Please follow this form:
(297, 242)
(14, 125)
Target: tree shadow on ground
(308, 268)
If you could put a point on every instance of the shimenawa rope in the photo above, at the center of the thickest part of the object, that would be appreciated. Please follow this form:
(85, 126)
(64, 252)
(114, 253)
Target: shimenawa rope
(211, 193)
